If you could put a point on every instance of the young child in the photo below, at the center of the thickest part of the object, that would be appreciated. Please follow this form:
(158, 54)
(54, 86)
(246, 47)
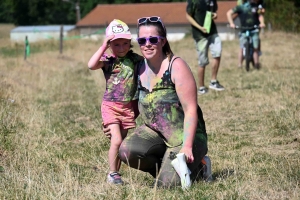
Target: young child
(118, 103)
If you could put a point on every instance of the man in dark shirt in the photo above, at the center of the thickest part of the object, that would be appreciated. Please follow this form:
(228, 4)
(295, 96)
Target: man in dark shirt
(196, 12)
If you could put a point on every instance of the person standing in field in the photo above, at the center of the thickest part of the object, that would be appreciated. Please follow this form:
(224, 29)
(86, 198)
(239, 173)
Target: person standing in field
(197, 12)
(118, 104)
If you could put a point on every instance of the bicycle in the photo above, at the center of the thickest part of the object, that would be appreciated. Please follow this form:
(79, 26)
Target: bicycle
(248, 49)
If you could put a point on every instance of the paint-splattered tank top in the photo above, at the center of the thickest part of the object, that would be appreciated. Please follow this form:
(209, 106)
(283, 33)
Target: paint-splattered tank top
(162, 111)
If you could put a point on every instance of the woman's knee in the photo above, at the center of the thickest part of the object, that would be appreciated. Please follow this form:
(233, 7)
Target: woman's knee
(128, 153)
(168, 180)
(123, 153)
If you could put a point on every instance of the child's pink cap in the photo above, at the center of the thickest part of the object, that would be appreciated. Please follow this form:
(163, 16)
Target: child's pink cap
(119, 29)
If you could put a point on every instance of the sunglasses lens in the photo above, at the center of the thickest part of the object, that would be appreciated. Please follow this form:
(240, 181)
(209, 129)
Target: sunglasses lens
(153, 40)
(142, 20)
(141, 40)
(154, 19)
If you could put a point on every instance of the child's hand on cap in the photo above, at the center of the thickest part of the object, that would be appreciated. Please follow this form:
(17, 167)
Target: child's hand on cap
(107, 40)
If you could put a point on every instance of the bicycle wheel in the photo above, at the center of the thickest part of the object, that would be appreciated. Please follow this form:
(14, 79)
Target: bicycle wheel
(247, 55)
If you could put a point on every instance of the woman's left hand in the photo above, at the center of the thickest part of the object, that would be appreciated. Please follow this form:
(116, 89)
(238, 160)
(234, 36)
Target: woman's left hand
(188, 154)
(106, 131)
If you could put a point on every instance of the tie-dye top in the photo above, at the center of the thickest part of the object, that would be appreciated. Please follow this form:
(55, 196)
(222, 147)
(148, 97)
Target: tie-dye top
(162, 111)
(119, 74)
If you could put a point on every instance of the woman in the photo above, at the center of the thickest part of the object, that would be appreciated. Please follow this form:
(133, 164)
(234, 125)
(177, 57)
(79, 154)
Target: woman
(172, 120)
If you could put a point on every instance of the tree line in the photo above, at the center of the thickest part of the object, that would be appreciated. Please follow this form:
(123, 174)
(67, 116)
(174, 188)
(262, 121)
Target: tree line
(281, 14)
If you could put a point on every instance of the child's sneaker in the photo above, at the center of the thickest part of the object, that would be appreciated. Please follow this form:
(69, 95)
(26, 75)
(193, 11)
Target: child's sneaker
(115, 178)
(207, 174)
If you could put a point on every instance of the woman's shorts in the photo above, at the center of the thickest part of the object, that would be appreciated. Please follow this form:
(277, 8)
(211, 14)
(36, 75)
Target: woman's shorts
(118, 113)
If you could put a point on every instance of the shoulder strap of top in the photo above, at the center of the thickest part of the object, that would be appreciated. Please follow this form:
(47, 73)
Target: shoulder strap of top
(138, 66)
(171, 63)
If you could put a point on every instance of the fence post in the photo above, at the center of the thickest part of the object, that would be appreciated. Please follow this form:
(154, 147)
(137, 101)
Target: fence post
(61, 39)
(77, 7)
(269, 27)
(27, 48)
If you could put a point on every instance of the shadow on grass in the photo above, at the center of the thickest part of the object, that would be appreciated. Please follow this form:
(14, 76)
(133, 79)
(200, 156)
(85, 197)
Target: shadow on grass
(63, 57)
(224, 174)
(31, 63)
(246, 87)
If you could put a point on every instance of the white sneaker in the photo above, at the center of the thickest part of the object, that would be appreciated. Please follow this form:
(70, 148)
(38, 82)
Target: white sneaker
(181, 168)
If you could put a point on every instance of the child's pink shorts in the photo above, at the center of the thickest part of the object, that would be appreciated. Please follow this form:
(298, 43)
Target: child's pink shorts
(118, 113)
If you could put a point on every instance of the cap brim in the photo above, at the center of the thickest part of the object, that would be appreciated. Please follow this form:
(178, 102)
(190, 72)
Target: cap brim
(123, 36)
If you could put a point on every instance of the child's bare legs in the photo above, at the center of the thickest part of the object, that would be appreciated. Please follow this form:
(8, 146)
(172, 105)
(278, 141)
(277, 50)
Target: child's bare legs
(117, 136)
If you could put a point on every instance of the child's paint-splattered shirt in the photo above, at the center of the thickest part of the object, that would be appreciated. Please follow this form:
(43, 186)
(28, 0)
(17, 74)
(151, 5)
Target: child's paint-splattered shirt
(119, 74)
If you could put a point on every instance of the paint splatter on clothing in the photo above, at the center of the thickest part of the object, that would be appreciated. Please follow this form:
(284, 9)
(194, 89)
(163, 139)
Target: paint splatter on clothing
(162, 111)
(152, 146)
(119, 74)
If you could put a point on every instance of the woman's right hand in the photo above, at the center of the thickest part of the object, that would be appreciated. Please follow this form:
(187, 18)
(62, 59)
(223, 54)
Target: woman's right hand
(106, 131)
(188, 152)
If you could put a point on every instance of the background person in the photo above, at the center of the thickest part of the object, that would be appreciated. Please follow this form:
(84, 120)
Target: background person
(172, 122)
(249, 17)
(204, 40)
(117, 106)
(261, 12)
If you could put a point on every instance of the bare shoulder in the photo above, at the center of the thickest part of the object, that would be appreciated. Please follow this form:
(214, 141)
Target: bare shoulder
(179, 64)
(180, 70)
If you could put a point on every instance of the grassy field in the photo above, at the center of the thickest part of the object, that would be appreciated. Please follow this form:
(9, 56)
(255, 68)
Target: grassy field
(52, 145)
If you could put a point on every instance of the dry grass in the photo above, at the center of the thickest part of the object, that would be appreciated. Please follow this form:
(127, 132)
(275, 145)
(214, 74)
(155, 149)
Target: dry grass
(4, 34)
(52, 146)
